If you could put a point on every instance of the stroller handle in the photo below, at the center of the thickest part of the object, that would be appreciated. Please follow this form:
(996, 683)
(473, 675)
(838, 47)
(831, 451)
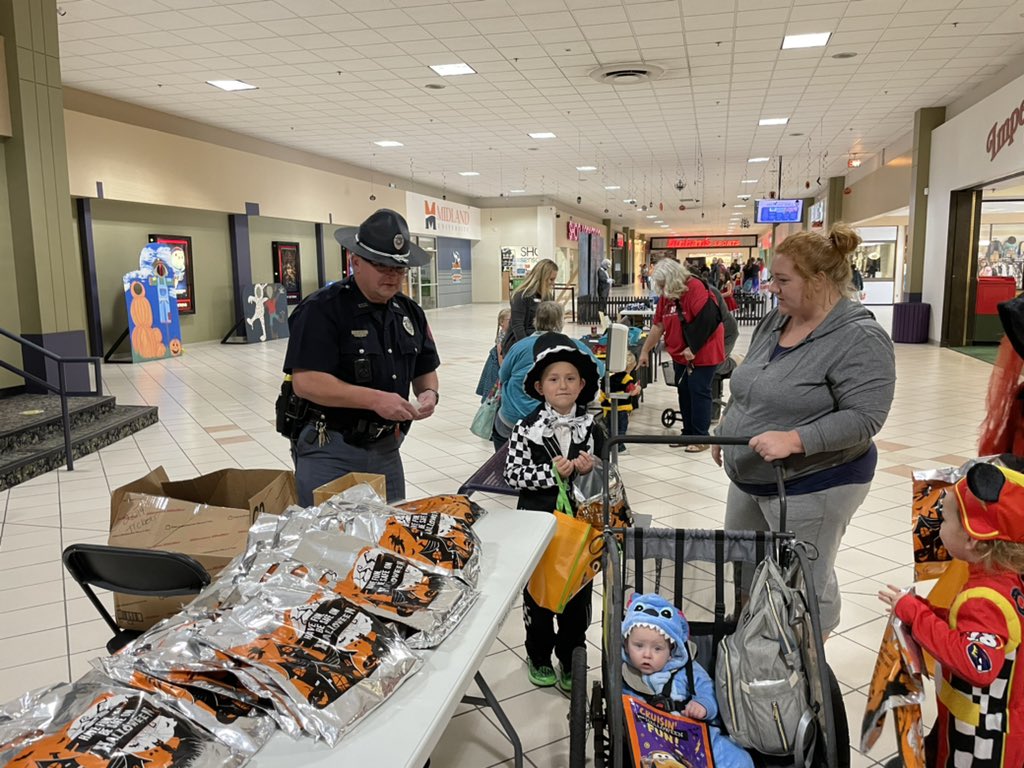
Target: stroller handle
(612, 442)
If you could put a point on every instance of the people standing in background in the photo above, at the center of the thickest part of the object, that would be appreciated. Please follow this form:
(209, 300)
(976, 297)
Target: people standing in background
(515, 403)
(604, 283)
(645, 276)
(537, 286)
(489, 374)
(689, 318)
(725, 287)
(750, 275)
(858, 281)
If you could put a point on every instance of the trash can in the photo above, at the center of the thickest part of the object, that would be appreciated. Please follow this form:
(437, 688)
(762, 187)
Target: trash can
(910, 322)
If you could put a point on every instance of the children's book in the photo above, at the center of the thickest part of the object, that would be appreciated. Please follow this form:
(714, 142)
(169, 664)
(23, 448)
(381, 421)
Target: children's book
(659, 739)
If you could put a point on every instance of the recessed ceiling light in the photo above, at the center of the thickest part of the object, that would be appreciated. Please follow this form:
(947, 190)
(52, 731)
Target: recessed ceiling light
(652, 216)
(749, 181)
(812, 40)
(739, 206)
(231, 85)
(468, 173)
(758, 160)
(659, 221)
(387, 143)
(773, 121)
(542, 135)
(846, 54)
(743, 197)
(586, 167)
(629, 201)
(664, 226)
(613, 186)
(448, 70)
(516, 191)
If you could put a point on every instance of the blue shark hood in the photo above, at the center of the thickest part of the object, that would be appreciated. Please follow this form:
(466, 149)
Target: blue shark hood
(655, 612)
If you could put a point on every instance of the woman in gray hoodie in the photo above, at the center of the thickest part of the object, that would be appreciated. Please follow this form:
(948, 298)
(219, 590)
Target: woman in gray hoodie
(815, 387)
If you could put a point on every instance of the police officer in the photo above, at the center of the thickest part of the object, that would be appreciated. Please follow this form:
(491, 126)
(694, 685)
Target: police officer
(354, 350)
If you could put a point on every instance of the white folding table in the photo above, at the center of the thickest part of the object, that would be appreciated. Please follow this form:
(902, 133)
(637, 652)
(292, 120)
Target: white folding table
(404, 730)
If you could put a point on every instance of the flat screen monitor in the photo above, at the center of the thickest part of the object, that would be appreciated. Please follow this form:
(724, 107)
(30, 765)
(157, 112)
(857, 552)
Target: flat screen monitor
(779, 211)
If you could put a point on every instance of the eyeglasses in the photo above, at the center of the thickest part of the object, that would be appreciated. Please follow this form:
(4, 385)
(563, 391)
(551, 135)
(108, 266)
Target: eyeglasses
(389, 270)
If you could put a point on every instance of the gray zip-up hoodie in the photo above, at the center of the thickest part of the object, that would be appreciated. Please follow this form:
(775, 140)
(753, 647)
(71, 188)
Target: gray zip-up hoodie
(834, 388)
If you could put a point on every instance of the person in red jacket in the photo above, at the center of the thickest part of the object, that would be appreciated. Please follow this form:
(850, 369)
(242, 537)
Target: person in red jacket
(690, 319)
(979, 687)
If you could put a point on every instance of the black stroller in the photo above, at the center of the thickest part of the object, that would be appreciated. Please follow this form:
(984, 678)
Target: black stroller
(701, 572)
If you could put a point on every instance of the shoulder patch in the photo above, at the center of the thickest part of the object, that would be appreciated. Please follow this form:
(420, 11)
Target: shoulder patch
(1018, 600)
(978, 657)
(984, 638)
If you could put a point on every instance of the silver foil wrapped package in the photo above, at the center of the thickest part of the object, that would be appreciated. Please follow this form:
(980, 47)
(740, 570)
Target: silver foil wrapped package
(456, 505)
(97, 723)
(426, 605)
(333, 662)
(429, 539)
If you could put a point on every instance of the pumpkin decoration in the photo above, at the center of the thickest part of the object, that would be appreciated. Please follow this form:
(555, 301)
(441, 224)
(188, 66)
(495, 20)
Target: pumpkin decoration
(175, 346)
(147, 340)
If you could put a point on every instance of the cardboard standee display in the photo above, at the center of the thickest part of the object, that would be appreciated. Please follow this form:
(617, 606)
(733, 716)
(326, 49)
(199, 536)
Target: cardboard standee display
(206, 518)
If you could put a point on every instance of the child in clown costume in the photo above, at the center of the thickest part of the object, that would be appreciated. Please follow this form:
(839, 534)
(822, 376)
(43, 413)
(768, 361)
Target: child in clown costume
(657, 669)
(979, 687)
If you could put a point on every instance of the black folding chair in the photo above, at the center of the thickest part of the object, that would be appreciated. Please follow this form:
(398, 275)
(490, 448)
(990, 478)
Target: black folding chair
(132, 572)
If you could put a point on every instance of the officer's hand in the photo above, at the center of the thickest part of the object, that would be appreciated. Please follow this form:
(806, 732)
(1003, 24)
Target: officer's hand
(428, 402)
(563, 466)
(395, 407)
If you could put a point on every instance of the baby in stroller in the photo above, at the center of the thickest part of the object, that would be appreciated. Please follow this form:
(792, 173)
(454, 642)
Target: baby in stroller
(657, 668)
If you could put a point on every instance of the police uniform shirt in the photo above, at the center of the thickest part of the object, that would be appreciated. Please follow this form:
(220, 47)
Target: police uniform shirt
(337, 330)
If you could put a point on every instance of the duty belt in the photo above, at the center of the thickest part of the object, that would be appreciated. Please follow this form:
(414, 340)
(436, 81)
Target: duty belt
(354, 431)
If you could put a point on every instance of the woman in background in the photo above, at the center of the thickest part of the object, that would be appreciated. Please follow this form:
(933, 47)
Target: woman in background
(537, 286)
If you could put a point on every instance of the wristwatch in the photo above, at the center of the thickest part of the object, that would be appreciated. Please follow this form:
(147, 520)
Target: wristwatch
(437, 397)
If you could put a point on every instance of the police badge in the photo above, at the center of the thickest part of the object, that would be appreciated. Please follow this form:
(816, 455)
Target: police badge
(407, 324)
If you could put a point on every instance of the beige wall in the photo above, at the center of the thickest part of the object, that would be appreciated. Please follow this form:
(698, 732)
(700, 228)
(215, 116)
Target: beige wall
(498, 227)
(883, 191)
(120, 230)
(145, 165)
(263, 231)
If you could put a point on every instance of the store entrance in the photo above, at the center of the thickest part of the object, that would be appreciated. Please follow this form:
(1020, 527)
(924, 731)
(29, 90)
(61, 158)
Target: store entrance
(985, 263)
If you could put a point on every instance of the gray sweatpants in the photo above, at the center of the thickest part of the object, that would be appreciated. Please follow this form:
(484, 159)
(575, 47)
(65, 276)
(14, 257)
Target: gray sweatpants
(820, 519)
(318, 464)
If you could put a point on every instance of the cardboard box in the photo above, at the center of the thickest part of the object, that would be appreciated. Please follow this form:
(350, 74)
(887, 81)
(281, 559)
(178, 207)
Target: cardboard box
(206, 518)
(327, 490)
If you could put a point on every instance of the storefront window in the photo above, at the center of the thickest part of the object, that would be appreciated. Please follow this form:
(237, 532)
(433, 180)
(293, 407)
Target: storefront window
(999, 251)
(876, 261)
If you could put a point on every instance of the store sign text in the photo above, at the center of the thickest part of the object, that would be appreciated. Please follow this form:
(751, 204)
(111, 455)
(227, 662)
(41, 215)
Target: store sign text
(575, 229)
(701, 242)
(1003, 133)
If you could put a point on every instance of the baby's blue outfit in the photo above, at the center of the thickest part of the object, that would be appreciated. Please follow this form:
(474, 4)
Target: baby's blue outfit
(655, 612)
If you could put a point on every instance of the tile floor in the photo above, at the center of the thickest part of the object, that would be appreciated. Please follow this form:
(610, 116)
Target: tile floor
(216, 410)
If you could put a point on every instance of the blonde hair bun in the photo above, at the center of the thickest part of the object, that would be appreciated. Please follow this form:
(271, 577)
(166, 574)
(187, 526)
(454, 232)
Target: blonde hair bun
(844, 238)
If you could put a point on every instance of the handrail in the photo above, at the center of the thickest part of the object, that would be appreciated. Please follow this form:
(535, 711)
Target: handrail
(61, 390)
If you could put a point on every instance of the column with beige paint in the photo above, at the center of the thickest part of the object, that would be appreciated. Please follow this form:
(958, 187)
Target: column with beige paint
(46, 267)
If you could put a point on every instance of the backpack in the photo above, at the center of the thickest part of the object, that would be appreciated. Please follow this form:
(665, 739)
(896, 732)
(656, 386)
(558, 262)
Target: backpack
(760, 676)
